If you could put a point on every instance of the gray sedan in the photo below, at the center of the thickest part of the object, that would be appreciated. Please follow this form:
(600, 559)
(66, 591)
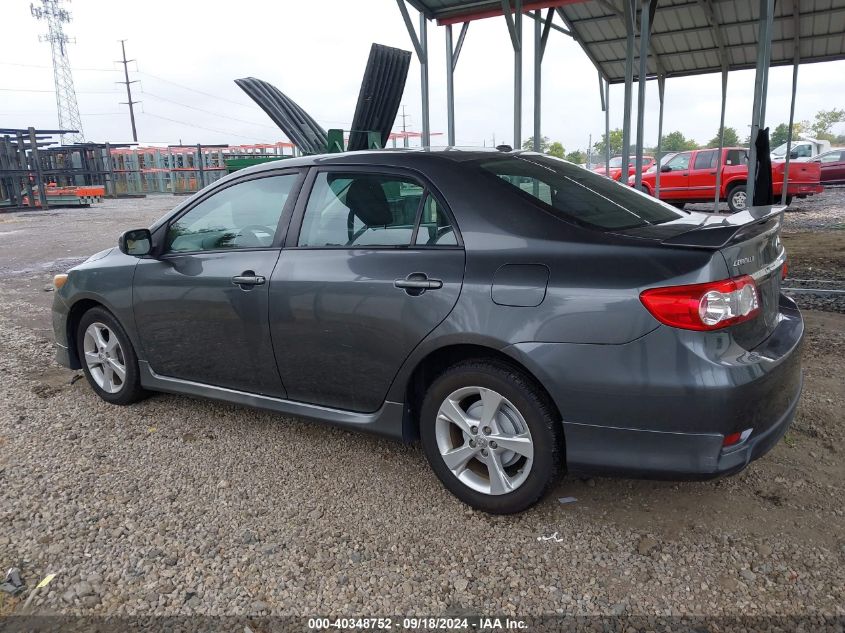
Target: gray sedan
(519, 315)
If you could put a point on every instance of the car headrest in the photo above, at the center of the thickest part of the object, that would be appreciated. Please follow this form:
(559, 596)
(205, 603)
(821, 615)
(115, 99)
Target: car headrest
(366, 199)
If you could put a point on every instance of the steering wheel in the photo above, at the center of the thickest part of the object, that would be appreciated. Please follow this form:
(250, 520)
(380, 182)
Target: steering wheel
(253, 231)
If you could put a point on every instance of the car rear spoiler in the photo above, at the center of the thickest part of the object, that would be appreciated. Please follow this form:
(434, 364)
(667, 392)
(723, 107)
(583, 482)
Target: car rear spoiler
(717, 231)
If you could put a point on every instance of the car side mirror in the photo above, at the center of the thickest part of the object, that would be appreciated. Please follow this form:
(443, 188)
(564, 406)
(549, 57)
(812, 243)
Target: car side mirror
(665, 168)
(137, 242)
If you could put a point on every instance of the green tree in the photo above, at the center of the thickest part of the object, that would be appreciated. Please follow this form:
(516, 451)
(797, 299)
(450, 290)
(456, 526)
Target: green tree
(824, 122)
(544, 144)
(731, 138)
(556, 149)
(780, 134)
(578, 157)
(615, 144)
(677, 142)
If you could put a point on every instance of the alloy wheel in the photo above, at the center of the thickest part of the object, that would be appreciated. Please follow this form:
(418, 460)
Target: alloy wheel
(484, 440)
(104, 357)
(740, 198)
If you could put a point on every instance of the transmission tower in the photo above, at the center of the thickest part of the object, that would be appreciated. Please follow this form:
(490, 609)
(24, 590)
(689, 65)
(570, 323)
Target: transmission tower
(66, 105)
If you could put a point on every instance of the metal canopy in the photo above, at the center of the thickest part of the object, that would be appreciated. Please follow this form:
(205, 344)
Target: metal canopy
(688, 37)
(685, 42)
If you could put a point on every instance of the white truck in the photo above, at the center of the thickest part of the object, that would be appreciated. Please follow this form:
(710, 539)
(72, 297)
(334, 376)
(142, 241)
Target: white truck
(803, 149)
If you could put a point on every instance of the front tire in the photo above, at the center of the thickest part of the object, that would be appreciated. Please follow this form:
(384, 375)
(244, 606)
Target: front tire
(491, 435)
(108, 358)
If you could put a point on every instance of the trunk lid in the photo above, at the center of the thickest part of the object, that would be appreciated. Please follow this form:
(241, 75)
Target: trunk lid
(750, 244)
(756, 250)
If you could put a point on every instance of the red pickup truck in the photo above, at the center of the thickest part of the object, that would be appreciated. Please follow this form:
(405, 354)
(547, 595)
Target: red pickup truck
(691, 177)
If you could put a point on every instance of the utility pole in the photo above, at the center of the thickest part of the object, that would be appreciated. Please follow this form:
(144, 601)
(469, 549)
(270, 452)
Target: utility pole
(404, 128)
(127, 83)
(67, 109)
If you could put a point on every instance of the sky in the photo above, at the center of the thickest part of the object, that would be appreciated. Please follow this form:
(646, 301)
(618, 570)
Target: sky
(189, 52)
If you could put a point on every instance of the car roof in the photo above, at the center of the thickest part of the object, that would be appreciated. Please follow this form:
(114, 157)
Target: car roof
(398, 157)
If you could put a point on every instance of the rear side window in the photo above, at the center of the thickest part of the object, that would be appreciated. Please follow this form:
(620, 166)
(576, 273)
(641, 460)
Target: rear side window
(370, 210)
(577, 194)
(736, 157)
(435, 228)
(705, 160)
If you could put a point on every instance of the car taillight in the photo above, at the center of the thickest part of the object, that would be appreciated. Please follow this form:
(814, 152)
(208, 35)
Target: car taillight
(783, 270)
(707, 306)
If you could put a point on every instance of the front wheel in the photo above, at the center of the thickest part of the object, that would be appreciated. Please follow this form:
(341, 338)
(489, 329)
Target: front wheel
(737, 199)
(491, 436)
(108, 358)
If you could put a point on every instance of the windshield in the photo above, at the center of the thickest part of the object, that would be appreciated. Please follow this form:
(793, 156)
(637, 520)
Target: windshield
(780, 150)
(578, 195)
(616, 161)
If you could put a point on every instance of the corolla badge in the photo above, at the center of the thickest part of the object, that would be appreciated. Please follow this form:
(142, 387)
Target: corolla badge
(744, 260)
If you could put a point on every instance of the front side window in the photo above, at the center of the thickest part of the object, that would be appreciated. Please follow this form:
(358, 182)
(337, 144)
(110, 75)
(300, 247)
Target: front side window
(245, 215)
(679, 162)
(359, 209)
(577, 194)
(831, 157)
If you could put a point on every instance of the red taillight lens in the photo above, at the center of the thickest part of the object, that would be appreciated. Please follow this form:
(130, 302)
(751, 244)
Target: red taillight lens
(732, 439)
(783, 270)
(707, 306)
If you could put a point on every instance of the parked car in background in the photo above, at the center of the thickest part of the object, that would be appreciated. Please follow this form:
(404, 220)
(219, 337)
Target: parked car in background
(802, 149)
(615, 171)
(832, 166)
(519, 314)
(691, 177)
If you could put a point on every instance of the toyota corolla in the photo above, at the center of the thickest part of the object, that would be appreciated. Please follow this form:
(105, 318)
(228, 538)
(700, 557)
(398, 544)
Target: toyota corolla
(521, 316)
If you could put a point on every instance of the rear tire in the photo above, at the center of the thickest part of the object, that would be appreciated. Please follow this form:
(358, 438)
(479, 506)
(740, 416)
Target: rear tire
(737, 198)
(108, 358)
(491, 435)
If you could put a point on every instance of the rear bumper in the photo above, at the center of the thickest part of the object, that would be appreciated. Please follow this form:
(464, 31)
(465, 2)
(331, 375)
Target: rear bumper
(661, 406)
(802, 189)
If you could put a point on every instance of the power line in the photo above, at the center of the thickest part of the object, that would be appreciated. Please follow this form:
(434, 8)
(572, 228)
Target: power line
(217, 114)
(84, 92)
(201, 127)
(251, 106)
(207, 94)
(74, 68)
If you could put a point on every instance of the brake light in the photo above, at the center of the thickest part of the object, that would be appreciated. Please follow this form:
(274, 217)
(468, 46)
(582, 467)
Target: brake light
(783, 270)
(708, 306)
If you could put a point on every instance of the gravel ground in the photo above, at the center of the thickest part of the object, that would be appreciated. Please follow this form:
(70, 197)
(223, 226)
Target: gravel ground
(178, 506)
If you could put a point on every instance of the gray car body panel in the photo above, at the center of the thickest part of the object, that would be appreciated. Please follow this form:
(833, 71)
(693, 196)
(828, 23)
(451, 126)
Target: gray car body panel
(613, 371)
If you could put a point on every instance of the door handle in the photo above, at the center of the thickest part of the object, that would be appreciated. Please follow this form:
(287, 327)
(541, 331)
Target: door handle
(417, 283)
(248, 278)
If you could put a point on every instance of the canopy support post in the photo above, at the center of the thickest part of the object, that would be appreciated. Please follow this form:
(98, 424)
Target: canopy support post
(452, 54)
(661, 86)
(421, 47)
(645, 36)
(629, 80)
(514, 19)
(796, 60)
(541, 36)
(721, 141)
(604, 90)
(758, 113)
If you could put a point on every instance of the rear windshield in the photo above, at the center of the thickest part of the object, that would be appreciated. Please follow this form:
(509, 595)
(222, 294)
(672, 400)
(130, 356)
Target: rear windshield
(578, 194)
